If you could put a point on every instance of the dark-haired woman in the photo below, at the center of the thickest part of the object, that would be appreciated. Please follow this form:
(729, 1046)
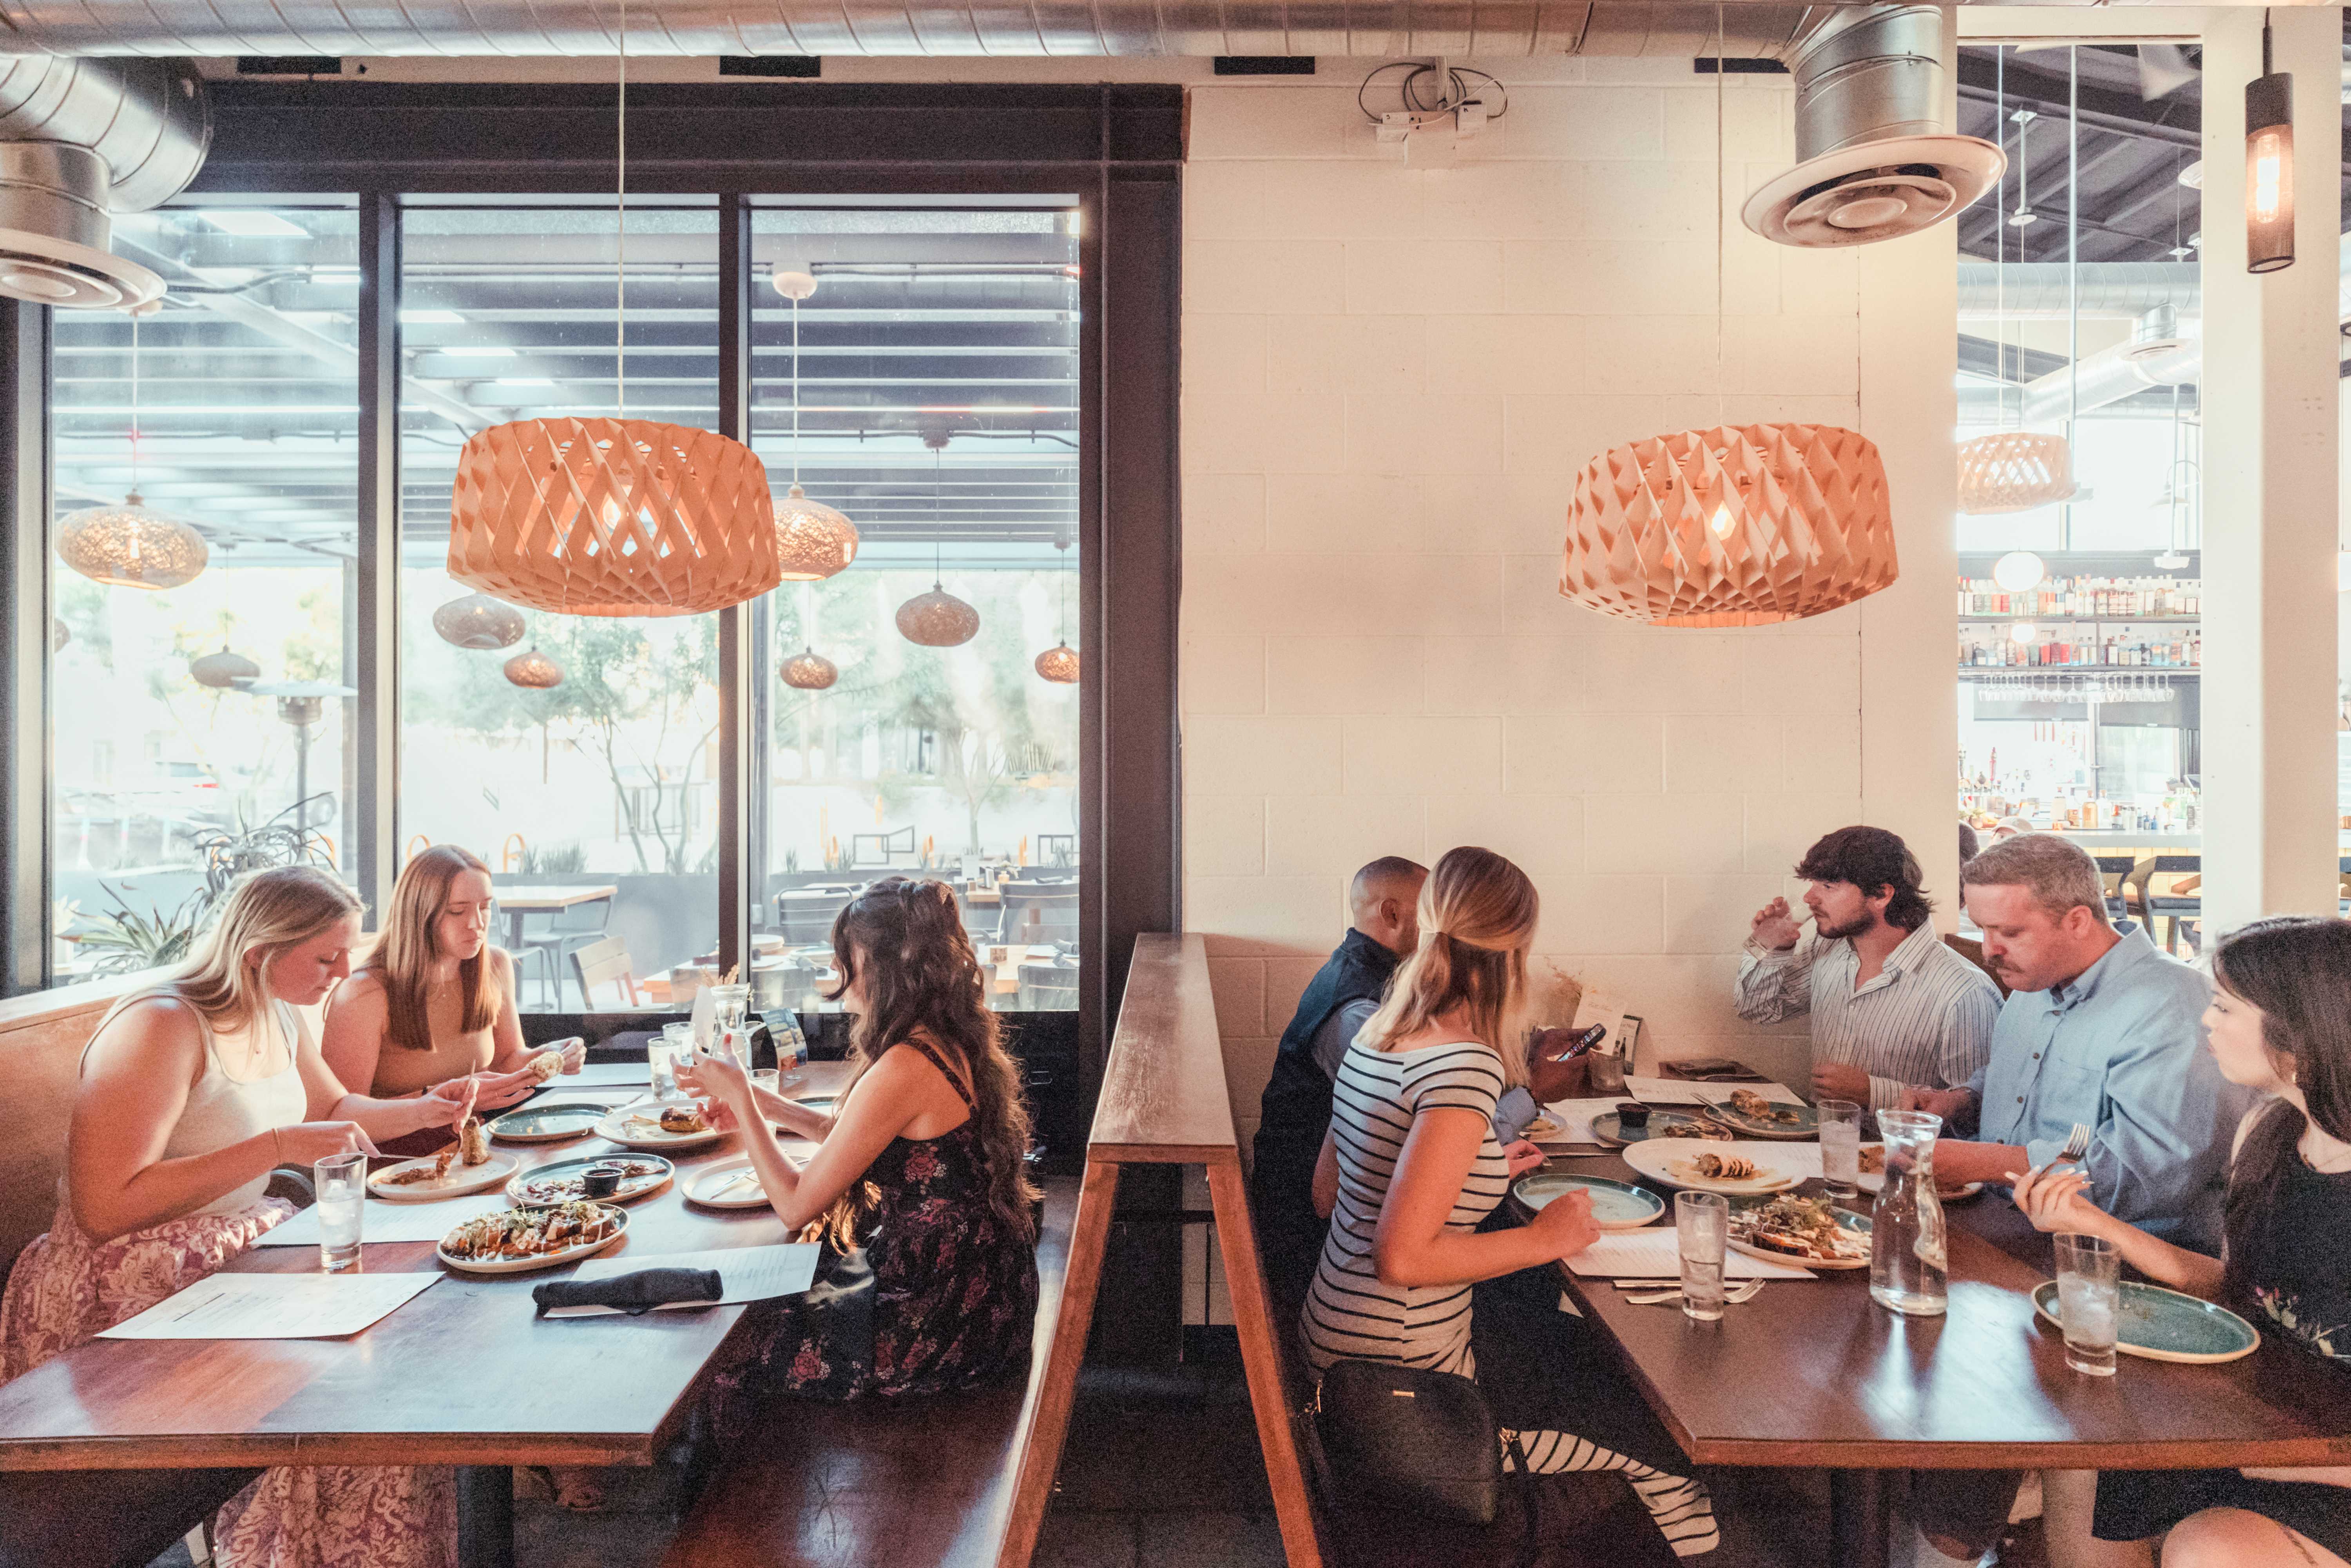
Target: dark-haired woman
(918, 1179)
(2280, 1021)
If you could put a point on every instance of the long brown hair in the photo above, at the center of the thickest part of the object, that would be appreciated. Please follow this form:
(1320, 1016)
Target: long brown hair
(906, 938)
(405, 955)
(265, 914)
(2297, 970)
(1478, 915)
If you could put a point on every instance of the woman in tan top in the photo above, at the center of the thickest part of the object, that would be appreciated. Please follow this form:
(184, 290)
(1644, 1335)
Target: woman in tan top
(435, 1000)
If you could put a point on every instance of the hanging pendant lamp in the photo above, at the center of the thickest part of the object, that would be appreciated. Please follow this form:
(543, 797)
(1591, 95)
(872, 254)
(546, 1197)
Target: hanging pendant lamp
(534, 671)
(811, 672)
(223, 671)
(812, 540)
(2011, 470)
(479, 623)
(1732, 526)
(59, 634)
(1059, 664)
(129, 546)
(612, 517)
(2269, 165)
(937, 619)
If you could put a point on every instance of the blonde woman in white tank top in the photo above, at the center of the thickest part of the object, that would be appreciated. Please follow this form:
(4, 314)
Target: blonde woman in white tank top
(190, 1094)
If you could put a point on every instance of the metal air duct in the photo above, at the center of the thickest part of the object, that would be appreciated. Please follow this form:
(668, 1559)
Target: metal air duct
(2158, 355)
(1874, 161)
(80, 141)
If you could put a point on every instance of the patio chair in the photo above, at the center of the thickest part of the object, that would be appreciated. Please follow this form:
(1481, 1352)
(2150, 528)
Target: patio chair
(605, 963)
(567, 930)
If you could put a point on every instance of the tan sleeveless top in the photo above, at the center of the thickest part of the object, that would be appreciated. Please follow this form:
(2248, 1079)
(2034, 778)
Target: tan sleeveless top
(456, 1052)
(222, 1111)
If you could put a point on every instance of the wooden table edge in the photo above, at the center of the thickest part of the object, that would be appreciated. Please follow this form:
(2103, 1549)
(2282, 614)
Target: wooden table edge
(1902, 1454)
(215, 1451)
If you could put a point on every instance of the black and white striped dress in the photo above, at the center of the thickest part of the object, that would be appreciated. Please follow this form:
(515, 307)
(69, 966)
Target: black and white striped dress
(1351, 1315)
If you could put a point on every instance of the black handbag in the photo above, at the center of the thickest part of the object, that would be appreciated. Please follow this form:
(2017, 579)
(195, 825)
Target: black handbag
(1407, 1439)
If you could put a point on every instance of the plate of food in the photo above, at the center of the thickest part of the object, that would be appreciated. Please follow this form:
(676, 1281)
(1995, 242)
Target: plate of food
(1733, 1167)
(2165, 1325)
(732, 1183)
(1615, 1205)
(518, 1241)
(1544, 1125)
(1873, 1177)
(1811, 1231)
(548, 1123)
(676, 1125)
(445, 1174)
(1749, 1115)
(566, 1181)
(1619, 1127)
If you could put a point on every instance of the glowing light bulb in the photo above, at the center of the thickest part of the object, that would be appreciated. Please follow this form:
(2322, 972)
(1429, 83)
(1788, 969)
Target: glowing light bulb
(2269, 159)
(2023, 632)
(1722, 522)
(2018, 570)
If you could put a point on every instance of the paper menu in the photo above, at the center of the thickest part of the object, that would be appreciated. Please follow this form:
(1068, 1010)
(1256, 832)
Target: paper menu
(383, 1222)
(274, 1306)
(1677, 1092)
(744, 1274)
(1656, 1254)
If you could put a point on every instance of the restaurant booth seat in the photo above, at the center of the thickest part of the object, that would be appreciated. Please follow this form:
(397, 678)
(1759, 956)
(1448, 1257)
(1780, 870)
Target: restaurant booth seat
(911, 1483)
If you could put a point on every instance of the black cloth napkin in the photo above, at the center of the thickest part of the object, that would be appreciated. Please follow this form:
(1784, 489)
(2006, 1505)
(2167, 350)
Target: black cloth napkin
(635, 1293)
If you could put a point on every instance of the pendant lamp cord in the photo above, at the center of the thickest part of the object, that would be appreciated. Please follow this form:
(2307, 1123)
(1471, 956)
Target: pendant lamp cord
(1722, 262)
(796, 393)
(938, 481)
(134, 405)
(1999, 246)
(621, 246)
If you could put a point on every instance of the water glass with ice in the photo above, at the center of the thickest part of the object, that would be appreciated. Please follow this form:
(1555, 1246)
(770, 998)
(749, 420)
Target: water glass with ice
(1702, 1226)
(1840, 1123)
(676, 1042)
(341, 1183)
(2089, 1300)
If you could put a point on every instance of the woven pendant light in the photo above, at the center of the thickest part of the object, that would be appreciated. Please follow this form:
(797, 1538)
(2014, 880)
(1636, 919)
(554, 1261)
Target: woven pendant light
(937, 619)
(1731, 526)
(1059, 664)
(612, 517)
(129, 546)
(2013, 471)
(479, 623)
(811, 672)
(223, 671)
(534, 671)
(812, 540)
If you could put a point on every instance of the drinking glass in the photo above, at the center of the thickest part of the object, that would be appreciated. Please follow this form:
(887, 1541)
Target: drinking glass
(730, 1006)
(1840, 1146)
(1910, 1257)
(341, 1183)
(1702, 1225)
(675, 1044)
(2089, 1300)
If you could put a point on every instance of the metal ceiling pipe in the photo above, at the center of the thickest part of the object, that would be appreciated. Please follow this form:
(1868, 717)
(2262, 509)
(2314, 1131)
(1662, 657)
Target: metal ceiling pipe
(1458, 28)
(2105, 289)
(2157, 356)
(79, 141)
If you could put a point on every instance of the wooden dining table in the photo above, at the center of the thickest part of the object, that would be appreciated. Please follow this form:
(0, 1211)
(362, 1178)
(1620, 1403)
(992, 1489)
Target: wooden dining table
(1815, 1374)
(517, 901)
(463, 1374)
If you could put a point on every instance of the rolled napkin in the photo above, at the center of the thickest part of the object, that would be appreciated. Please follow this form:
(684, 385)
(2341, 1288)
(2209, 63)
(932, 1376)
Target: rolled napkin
(634, 1294)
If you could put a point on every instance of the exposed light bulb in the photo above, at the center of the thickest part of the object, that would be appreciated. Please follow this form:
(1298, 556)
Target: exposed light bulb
(2269, 163)
(2018, 572)
(1722, 522)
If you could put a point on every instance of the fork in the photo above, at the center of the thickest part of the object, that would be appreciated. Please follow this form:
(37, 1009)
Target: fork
(1730, 1297)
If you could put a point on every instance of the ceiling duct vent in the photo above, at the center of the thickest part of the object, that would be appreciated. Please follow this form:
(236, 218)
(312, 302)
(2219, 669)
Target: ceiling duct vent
(81, 140)
(1874, 161)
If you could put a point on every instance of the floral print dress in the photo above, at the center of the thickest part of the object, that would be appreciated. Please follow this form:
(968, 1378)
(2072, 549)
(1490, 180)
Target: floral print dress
(939, 1294)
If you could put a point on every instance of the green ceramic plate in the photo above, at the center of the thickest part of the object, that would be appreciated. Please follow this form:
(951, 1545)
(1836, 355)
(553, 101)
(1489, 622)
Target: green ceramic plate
(546, 1124)
(1609, 1131)
(2165, 1325)
(1615, 1205)
(1786, 1121)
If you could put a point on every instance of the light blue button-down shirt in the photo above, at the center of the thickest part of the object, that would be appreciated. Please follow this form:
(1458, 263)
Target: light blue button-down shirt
(2120, 1048)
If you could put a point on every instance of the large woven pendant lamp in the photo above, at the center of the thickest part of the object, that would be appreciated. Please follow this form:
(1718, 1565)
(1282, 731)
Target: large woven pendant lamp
(534, 671)
(479, 623)
(811, 671)
(2011, 470)
(937, 619)
(129, 546)
(812, 540)
(1732, 526)
(612, 517)
(1059, 664)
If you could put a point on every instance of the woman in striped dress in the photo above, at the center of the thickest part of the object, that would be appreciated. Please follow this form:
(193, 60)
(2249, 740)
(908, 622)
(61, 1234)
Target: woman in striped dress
(1411, 1167)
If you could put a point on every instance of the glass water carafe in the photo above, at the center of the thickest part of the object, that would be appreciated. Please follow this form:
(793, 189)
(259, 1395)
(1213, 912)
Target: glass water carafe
(1909, 1262)
(730, 1009)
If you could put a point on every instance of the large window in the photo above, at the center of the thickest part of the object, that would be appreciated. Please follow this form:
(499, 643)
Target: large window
(2081, 637)
(230, 412)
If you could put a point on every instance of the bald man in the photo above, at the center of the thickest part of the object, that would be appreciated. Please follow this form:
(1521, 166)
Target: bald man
(1296, 1110)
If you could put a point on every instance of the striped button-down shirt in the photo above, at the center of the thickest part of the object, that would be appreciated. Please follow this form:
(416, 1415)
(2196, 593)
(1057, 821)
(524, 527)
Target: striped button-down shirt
(1925, 1018)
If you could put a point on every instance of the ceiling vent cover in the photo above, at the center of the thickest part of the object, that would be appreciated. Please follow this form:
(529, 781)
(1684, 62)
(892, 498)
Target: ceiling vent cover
(81, 140)
(1874, 161)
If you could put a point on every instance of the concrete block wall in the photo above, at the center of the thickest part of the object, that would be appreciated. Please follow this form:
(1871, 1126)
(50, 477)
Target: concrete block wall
(1391, 376)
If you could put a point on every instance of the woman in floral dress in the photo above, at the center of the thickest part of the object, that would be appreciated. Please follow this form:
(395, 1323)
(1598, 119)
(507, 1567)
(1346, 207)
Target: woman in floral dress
(2279, 1020)
(918, 1187)
(190, 1093)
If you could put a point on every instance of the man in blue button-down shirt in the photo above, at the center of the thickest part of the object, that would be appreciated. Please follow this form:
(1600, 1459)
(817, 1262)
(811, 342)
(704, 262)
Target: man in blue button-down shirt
(2100, 1030)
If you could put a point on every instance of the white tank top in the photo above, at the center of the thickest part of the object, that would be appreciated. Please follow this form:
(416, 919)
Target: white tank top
(220, 1110)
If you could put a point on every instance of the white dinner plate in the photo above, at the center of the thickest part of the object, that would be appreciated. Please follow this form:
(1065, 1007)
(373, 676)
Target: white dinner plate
(461, 1179)
(1875, 1181)
(732, 1183)
(621, 1129)
(1667, 1160)
(544, 1261)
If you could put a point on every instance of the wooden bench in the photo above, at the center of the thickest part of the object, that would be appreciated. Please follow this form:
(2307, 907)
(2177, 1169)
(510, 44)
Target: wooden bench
(906, 1483)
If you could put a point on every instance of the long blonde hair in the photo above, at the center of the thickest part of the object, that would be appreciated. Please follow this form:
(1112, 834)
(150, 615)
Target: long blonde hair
(265, 913)
(402, 957)
(1478, 915)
